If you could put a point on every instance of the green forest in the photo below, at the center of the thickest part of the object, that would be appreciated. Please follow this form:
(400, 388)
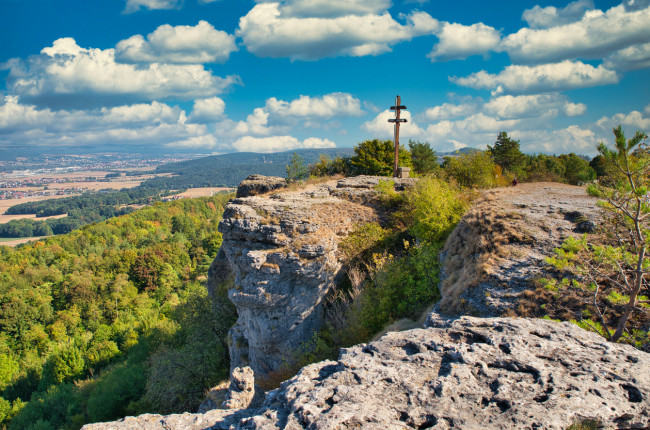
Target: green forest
(113, 319)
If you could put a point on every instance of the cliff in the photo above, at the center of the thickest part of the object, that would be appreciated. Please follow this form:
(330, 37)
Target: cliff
(282, 248)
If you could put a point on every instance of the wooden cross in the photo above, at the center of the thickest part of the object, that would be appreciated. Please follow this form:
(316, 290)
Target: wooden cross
(397, 120)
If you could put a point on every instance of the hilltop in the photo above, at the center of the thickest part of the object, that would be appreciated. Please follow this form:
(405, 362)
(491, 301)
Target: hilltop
(284, 251)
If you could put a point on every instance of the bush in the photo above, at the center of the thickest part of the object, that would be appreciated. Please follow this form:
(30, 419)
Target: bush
(475, 170)
(432, 208)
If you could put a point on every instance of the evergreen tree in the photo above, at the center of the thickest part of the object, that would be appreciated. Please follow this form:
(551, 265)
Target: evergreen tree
(506, 153)
(423, 157)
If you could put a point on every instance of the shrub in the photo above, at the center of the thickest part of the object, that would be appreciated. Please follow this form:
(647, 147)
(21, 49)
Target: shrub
(473, 170)
(431, 208)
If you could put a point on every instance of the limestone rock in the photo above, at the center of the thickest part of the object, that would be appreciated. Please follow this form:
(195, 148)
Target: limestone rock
(283, 251)
(259, 184)
(468, 373)
(242, 393)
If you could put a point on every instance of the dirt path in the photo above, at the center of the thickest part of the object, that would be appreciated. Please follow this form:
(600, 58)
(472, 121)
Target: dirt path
(500, 247)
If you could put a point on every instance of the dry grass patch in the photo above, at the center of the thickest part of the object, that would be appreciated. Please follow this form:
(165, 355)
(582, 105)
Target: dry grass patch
(477, 245)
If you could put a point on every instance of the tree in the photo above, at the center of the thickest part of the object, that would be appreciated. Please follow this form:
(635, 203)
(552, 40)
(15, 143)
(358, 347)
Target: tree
(296, 169)
(471, 169)
(616, 274)
(423, 157)
(506, 153)
(576, 170)
(375, 157)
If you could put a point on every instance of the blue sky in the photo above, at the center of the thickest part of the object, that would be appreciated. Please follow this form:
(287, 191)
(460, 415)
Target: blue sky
(216, 76)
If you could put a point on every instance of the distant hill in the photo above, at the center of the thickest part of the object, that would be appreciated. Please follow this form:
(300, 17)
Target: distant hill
(228, 170)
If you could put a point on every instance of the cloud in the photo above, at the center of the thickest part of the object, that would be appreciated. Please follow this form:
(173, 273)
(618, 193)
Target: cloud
(70, 76)
(330, 8)
(542, 78)
(136, 5)
(458, 41)
(594, 36)
(539, 17)
(130, 126)
(182, 44)
(634, 120)
(380, 127)
(207, 110)
(256, 123)
(536, 105)
(266, 32)
(278, 143)
(448, 111)
(327, 106)
(207, 141)
(631, 58)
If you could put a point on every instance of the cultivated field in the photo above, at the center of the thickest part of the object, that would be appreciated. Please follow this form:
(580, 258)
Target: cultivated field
(202, 192)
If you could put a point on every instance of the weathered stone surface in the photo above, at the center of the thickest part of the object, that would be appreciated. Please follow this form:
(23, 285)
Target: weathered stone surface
(468, 373)
(242, 393)
(283, 251)
(260, 184)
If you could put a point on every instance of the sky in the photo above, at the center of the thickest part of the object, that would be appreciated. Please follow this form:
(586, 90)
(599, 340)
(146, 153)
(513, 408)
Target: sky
(219, 76)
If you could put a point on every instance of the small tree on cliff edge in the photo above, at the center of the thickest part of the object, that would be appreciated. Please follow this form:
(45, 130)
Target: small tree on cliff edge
(506, 153)
(617, 272)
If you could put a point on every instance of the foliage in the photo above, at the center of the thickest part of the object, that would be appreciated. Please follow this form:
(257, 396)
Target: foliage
(431, 208)
(228, 170)
(330, 167)
(376, 157)
(471, 170)
(296, 169)
(542, 167)
(393, 272)
(576, 169)
(423, 157)
(83, 315)
(506, 153)
(613, 275)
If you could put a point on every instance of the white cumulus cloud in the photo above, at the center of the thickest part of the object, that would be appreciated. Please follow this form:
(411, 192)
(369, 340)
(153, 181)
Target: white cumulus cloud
(266, 32)
(136, 5)
(140, 125)
(550, 16)
(327, 106)
(534, 105)
(67, 75)
(278, 143)
(182, 44)
(457, 41)
(594, 36)
(450, 110)
(380, 127)
(330, 8)
(207, 110)
(541, 78)
(631, 58)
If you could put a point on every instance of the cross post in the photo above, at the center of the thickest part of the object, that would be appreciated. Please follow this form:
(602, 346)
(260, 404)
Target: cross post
(397, 120)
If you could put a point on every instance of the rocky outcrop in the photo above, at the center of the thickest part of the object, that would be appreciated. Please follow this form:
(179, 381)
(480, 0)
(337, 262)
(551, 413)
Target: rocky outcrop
(501, 245)
(468, 373)
(259, 184)
(283, 251)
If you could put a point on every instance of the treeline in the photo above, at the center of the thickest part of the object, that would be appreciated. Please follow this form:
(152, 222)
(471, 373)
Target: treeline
(228, 170)
(80, 210)
(497, 166)
(113, 319)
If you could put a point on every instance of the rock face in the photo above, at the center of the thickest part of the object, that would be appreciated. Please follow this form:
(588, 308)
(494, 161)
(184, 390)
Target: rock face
(469, 373)
(282, 249)
(259, 184)
(502, 243)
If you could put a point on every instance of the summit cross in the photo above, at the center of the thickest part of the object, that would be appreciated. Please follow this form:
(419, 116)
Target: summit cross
(397, 120)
